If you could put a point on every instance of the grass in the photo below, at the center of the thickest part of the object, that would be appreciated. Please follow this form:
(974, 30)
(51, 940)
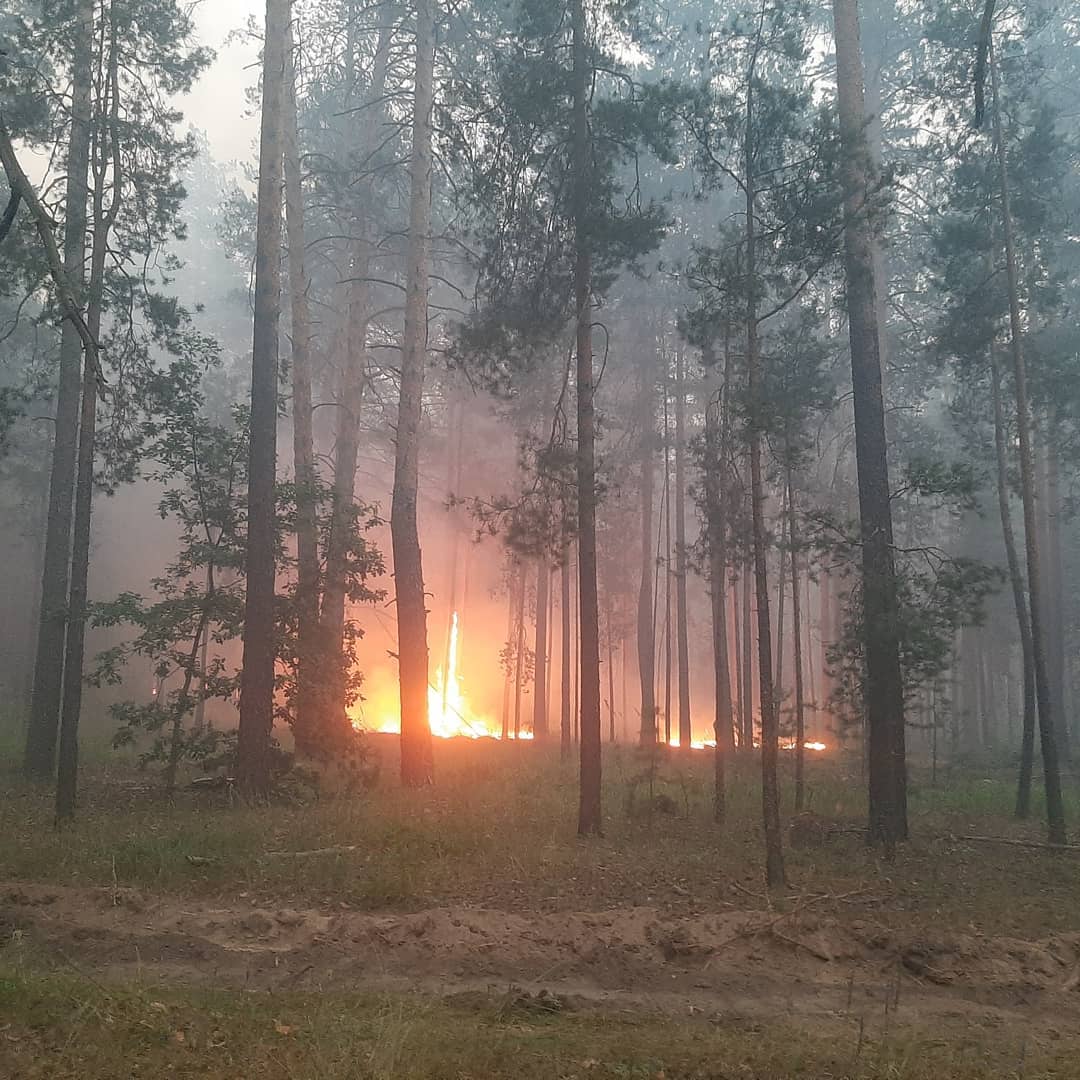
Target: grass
(498, 830)
(62, 1027)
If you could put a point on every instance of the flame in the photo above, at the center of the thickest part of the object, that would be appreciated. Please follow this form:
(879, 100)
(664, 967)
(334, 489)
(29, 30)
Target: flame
(449, 713)
(785, 744)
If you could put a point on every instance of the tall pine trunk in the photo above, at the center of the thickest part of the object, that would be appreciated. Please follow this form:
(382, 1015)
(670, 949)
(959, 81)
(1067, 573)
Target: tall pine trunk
(1055, 809)
(797, 644)
(540, 656)
(682, 633)
(308, 718)
(107, 172)
(417, 768)
(589, 812)
(884, 683)
(257, 677)
(566, 652)
(1016, 580)
(770, 790)
(716, 534)
(646, 636)
(41, 736)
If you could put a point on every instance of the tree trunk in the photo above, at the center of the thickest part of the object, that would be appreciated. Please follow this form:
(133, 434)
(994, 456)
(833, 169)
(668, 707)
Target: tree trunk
(1016, 580)
(564, 671)
(40, 751)
(308, 718)
(511, 624)
(716, 424)
(1056, 585)
(747, 673)
(519, 646)
(106, 168)
(257, 678)
(353, 381)
(781, 591)
(417, 768)
(646, 637)
(770, 791)
(667, 569)
(589, 815)
(884, 684)
(796, 641)
(540, 661)
(685, 725)
(610, 674)
(1055, 810)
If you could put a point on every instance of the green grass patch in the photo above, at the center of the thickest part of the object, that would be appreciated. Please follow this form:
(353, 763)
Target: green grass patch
(64, 1028)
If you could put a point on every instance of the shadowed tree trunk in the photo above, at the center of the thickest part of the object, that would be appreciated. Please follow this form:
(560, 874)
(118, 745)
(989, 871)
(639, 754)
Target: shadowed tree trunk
(1055, 585)
(106, 170)
(257, 677)
(41, 736)
(668, 624)
(716, 447)
(770, 792)
(1055, 810)
(796, 640)
(884, 685)
(646, 636)
(565, 734)
(747, 673)
(685, 729)
(417, 767)
(308, 717)
(589, 813)
(540, 662)
(519, 645)
(1016, 580)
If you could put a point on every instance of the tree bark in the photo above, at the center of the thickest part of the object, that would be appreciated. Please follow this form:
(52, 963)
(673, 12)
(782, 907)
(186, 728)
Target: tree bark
(257, 677)
(796, 640)
(540, 662)
(716, 440)
(519, 645)
(1016, 580)
(417, 767)
(308, 718)
(1055, 586)
(884, 682)
(40, 751)
(747, 672)
(565, 734)
(646, 637)
(770, 791)
(1055, 809)
(589, 813)
(685, 725)
(668, 623)
(106, 169)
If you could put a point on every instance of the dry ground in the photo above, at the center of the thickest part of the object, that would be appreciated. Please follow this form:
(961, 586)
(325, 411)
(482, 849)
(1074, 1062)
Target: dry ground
(464, 932)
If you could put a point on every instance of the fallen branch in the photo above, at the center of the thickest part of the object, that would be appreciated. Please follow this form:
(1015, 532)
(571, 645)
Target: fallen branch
(340, 849)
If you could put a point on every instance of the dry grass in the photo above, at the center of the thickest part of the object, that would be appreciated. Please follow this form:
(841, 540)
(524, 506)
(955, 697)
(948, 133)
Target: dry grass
(498, 830)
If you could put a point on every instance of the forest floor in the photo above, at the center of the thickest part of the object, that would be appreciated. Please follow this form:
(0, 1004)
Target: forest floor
(465, 932)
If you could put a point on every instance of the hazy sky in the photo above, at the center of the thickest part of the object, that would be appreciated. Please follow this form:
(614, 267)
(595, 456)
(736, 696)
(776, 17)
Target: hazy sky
(218, 105)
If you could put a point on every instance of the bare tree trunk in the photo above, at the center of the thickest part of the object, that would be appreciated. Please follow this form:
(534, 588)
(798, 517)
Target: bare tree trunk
(796, 639)
(308, 718)
(511, 624)
(565, 735)
(519, 646)
(884, 685)
(417, 767)
(540, 662)
(589, 816)
(1055, 809)
(611, 674)
(667, 570)
(1016, 580)
(40, 751)
(716, 439)
(353, 381)
(747, 672)
(257, 678)
(646, 637)
(1055, 585)
(105, 157)
(736, 623)
(685, 727)
(781, 590)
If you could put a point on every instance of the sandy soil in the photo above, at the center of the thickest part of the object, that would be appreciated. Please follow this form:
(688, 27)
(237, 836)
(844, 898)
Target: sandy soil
(802, 965)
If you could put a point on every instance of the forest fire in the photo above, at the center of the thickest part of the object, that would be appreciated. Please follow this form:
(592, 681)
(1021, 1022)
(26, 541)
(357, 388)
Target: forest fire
(449, 712)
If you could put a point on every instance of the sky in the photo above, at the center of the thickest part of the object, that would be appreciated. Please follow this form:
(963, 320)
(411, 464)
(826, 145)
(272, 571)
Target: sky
(217, 105)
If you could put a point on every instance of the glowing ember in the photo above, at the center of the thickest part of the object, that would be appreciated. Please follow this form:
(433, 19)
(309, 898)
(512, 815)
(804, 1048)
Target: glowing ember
(785, 744)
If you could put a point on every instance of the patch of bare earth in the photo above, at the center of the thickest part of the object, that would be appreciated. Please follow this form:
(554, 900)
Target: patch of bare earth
(802, 965)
